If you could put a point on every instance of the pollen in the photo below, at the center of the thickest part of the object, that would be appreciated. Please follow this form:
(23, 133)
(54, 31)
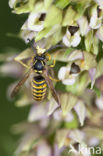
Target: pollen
(40, 50)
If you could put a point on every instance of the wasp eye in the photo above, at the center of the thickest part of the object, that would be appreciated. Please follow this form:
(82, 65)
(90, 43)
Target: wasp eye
(74, 69)
(73, 29)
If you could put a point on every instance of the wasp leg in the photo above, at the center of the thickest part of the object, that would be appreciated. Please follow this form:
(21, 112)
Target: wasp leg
(52, 65)
(22, 63)
(51, 75)
(53, 79)
(49, 58)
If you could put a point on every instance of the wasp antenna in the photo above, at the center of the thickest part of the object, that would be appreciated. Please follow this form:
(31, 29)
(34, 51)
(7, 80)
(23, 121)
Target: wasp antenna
(33, 45)
(55, 47)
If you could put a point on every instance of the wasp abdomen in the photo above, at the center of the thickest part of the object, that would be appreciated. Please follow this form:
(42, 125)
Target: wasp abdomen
(39, 88)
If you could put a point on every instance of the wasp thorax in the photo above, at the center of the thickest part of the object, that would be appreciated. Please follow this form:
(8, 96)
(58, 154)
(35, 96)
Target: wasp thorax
(38, 66)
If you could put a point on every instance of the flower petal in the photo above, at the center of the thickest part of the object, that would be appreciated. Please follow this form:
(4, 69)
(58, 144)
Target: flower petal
(11, 68)
(47, 3)
(89, 61)
(68, 101)
(92, 73)
(69, 81)
(95, 21)
(100, 3)
(89, 40)
(52, 106)
(99, 33)
(25, 34)
(27, 53)
(69, 17)
(31, 22)
(76, 55)
(76, 40)
(77, 136)
(83, 25)
(93, 141)
(69, 117)
(61, 137)
(12, 3)
(57, 151)
(23, 101)
(54, 16)
(81, 111)
(58, 115)
(62, 4)
(44, 149)
(37, 112)
(66, 41)
(99, 102)
(61, 73)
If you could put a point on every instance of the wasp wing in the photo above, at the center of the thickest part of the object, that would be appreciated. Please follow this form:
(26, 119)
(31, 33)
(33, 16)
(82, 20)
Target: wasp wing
(50, 84)
(19, 84)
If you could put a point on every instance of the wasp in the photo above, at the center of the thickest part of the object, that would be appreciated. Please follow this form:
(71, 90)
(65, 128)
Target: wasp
(41, 74)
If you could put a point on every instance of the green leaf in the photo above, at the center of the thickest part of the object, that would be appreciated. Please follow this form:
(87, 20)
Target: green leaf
(54, 16)
(62, 3)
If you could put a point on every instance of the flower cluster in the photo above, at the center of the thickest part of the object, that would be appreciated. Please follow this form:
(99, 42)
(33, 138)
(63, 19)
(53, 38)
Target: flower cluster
(78, 25)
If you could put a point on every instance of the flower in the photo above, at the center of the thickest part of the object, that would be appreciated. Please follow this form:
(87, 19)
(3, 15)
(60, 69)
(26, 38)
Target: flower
(100, 3)
(96, 17)
(66, 76)
(34, 22)
(72, 36)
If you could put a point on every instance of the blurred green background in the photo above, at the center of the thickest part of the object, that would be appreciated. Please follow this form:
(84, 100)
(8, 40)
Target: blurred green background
(9, 114)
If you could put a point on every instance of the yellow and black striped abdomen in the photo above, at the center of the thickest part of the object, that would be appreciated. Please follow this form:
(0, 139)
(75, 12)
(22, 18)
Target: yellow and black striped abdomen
(39, 88)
